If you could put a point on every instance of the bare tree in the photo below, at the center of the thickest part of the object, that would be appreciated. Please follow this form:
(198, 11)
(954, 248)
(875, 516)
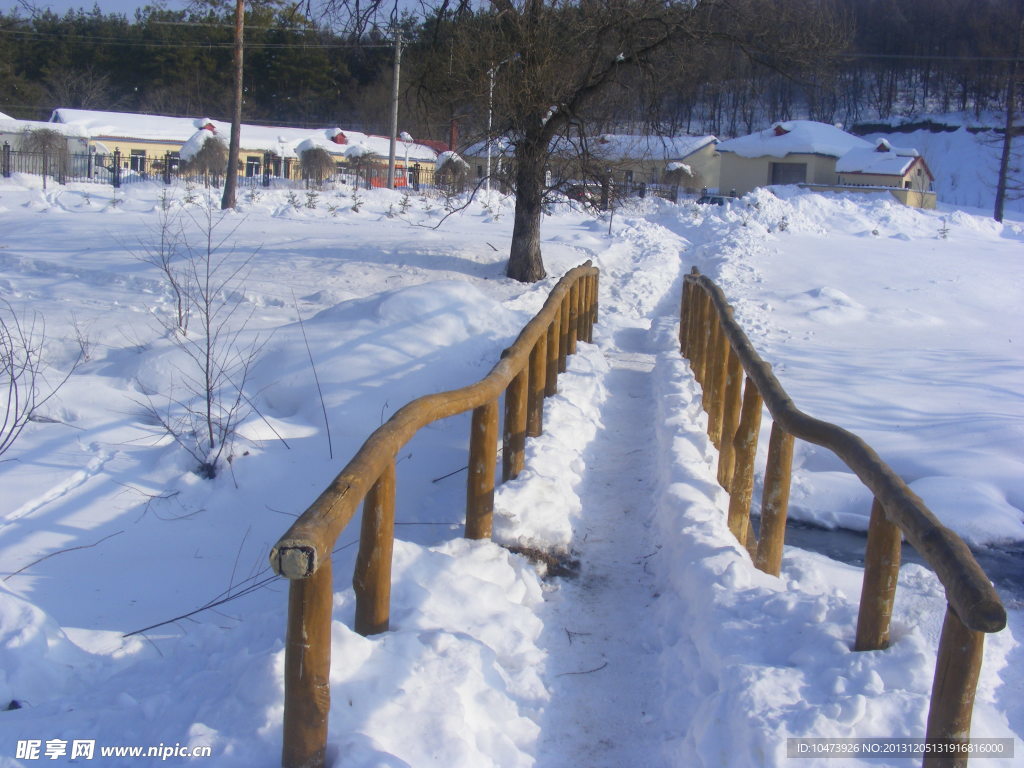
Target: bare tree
(163, 250)
(231, 180)
(534, 71)
(1003, 183)
(206, 404)
(21, 373)
(52, 145)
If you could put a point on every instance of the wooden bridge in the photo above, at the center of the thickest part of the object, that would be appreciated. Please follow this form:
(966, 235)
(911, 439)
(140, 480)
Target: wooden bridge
(737, 385)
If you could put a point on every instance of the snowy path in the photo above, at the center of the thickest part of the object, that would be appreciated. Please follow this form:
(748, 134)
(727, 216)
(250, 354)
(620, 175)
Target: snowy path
(603, 659)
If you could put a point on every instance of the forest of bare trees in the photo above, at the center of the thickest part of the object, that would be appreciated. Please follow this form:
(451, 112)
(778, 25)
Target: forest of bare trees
(903, 58)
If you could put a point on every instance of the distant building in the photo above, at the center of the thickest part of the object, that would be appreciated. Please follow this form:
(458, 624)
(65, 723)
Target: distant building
(810, 153)
(631, 160)
(689, 161)
(885, 166)
(143, 139)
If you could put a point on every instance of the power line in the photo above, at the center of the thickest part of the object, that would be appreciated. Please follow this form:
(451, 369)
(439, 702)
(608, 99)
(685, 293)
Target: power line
(33, 35)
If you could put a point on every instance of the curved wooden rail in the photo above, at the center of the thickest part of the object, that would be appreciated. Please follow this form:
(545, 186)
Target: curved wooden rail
(720, 355)
(526, 373)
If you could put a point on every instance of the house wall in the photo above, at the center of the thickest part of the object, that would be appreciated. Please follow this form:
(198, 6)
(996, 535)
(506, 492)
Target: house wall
(914, 179)
(706, 166)
(746, 173)
(871, 179)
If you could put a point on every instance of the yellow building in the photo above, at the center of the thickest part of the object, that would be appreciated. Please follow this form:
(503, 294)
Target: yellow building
(146, 141)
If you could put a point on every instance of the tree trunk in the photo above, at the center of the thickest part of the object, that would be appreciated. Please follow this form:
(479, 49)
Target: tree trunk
(524, 261)
(1011, 99)
(231, 180)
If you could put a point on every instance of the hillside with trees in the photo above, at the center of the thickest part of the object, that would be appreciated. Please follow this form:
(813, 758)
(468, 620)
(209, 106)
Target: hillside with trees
(886, 60)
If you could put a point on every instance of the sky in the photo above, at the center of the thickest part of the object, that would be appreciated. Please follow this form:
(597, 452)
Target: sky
(126, 7)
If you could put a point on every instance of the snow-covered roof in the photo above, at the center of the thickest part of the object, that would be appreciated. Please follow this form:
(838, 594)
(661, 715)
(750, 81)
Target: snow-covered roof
(618, 146)
(804, 137)
(882, 159)
(451, 157)
(12, 125)
(282, 140)
(611, 146)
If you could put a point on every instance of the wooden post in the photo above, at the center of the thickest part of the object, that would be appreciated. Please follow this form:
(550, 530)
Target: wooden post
(589, 286)
(881, 570)
(956, 679)
(554, 334)
(693, 325)
(563, 333)
(745, 448)
(595, 304)
(574, 317)
(307, 669)
(715, 393)
(730, 418)
(372, 577)
(514, 437)
(483, 454)
(704, 313)
(775, 501)
(536, 389)
(685, 305)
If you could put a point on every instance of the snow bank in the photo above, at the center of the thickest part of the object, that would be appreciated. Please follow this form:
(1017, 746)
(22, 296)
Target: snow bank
(459, 670)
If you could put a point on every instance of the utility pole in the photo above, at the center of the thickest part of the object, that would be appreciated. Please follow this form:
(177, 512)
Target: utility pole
(231, 180)
(394, 110)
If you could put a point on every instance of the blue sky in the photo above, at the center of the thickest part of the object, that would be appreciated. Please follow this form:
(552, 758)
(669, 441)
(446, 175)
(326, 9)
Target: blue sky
(126, 7)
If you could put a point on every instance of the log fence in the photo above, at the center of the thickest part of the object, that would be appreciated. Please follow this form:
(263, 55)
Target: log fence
(526, 373)
(724, 362)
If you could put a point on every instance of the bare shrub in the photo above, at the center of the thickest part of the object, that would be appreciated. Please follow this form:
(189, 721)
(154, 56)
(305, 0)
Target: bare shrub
(22, 383)
(317, 165)
(210, 161)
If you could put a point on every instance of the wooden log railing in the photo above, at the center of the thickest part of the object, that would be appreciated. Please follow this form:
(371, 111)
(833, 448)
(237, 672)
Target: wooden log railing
(525, 375)
(720, 356)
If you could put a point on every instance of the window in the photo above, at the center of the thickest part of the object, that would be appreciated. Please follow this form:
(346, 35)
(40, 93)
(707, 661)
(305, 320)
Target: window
(788, 173)
(173, 160)
(137, 161)
(252, 166)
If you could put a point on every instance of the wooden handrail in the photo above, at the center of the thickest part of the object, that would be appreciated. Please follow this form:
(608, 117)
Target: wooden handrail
(968, 589)
(526, 373)
(714, 342)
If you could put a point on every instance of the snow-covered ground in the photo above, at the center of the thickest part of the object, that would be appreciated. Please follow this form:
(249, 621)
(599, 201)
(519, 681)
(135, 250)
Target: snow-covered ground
(666, 648)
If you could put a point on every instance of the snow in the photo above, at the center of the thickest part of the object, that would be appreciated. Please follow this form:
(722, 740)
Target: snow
(795, 137)
(666, 648)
